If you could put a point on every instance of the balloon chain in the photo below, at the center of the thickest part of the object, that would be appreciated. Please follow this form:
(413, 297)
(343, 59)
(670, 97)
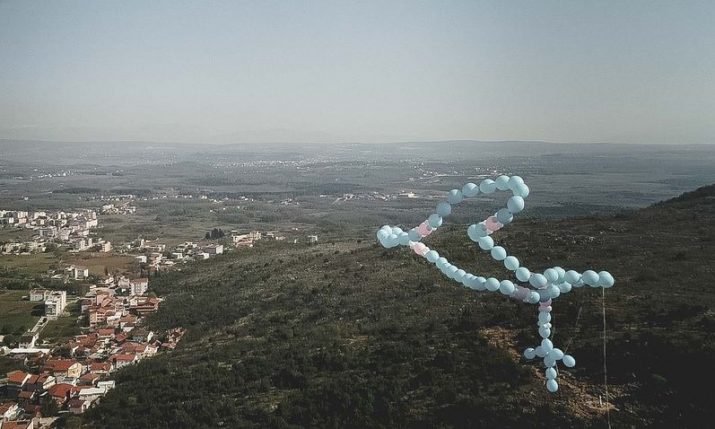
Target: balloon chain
(544, 287)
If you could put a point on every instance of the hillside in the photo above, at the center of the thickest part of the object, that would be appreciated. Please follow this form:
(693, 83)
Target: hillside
(347, 334)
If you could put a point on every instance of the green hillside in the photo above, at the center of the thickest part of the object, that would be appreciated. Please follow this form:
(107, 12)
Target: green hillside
(348, 334)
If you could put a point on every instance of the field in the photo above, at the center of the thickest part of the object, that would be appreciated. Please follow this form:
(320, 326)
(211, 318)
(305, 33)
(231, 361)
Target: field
(101, 263)
(63, 327)
(28, 265)
(18, 315)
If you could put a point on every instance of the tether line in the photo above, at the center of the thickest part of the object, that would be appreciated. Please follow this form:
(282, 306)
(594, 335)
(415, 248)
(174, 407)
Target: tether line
(605, 368)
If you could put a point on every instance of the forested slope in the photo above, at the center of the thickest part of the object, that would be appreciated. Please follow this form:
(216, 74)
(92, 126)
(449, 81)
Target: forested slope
(348, 334)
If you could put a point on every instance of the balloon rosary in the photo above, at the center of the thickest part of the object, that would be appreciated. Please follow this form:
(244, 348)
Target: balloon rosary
(546, 287)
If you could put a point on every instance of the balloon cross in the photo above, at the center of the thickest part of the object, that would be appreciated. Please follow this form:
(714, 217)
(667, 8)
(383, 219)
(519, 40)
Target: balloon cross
(544, 287)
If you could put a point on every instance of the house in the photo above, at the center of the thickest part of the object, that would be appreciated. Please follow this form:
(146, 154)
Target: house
(143, 305)
(79, 273)
(26, 396)
(141, 259)
(40, 382)
(105, 333)
(62, 393)
(55, 303)
(63, 367)
(214, 249)
(17, 378)
(138, 286)
(105, 247)
(78, 405)
(9, 411)
(122, 360)
(142, 335)
(91, 394)
(100, 368)
(312, 239)
(107, 385)
(37, 295)
(89, 379)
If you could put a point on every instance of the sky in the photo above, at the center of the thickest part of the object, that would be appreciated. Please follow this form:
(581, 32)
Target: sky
(364, 71)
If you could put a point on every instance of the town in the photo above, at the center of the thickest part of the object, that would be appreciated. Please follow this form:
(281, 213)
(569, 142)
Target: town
(70, 374)
(75, 373)
(71, 229)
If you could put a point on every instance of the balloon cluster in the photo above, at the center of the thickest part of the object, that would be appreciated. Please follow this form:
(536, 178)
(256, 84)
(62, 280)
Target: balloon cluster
(540, 288)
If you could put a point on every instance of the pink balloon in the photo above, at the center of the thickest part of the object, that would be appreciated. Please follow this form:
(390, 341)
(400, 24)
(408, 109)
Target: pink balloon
(545, 306)
(492, 224)
(420, 249)
(424, 229)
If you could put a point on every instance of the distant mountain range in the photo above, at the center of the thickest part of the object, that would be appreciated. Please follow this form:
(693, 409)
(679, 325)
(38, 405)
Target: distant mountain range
(129, 152)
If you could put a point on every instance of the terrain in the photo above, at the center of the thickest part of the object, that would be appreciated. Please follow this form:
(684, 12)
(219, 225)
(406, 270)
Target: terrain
(347, 334)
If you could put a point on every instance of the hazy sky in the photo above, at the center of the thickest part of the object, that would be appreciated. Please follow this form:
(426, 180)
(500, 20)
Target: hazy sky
(336, 71)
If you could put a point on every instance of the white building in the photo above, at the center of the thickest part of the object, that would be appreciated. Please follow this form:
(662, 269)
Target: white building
(79, 273)
(55, 303)
(37, 295)
(214, 249)
(138, 286)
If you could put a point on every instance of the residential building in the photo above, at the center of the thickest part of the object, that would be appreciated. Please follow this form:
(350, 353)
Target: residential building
(63, 367)
(214, 249)
(37, 295)
(55, 303)
(79, 273)
(9, 411)
(138, 286)
(17, 378)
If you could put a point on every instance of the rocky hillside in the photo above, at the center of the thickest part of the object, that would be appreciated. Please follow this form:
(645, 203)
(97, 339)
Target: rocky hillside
(348, 334)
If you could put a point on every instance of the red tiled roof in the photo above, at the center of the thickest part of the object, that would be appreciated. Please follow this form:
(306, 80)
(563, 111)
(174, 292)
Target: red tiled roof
(4, 406)
(62, 390)
(134, 347)
(60, 364)
(26, 394)
(43, 378)
(89, 378)
(125, 357)
(100, 366)
(16, 377)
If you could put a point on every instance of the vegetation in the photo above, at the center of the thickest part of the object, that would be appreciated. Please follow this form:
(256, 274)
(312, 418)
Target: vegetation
(214, 234)
(64, 326)
(347, 334)
(18, 315)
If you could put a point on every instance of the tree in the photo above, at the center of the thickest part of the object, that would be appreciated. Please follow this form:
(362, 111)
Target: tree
(48, 407)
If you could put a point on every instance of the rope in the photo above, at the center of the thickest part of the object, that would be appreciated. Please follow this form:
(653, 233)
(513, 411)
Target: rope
(605, 368)
(576, 329)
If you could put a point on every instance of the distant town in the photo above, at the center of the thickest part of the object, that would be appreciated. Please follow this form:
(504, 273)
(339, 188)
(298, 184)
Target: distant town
(72, 374)
(75, 373)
